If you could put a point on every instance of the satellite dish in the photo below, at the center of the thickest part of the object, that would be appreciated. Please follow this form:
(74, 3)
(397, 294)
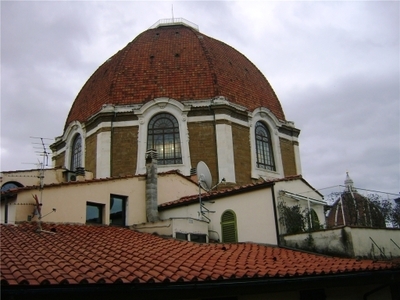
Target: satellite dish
(204, 175)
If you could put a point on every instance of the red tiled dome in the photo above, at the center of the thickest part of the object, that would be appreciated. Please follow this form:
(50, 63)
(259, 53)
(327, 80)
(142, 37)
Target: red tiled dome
(357, 210)
(176, 62)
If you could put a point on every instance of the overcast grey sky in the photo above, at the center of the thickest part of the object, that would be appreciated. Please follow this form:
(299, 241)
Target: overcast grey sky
(334, 66)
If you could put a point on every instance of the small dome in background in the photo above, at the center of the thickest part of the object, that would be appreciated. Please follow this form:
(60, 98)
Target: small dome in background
(353, 209)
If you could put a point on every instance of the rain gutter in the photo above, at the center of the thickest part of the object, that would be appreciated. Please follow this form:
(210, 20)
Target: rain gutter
(195, 289)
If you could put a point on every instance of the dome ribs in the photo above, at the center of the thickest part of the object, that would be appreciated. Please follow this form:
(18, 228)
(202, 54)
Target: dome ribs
(176, 62)
(210, 61)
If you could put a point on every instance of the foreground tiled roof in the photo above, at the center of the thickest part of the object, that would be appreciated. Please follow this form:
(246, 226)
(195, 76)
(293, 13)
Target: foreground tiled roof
(78, 254)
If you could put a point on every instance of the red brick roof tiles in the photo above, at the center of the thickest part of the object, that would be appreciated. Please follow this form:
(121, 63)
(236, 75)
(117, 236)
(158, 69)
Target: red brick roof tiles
(225, 192)
(89, 181)
(176, 62)
(81, 254)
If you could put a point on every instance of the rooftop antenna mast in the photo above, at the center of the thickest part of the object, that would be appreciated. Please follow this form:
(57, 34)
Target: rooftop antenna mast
(41, 150)
(172, 10)
(205, 181)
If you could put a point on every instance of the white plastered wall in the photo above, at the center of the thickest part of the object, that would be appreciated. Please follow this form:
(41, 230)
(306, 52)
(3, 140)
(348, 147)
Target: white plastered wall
(299, 187)
(298, 159)
(254, 215)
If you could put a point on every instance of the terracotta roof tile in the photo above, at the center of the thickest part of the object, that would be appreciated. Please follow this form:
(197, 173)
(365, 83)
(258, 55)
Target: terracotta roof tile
(192, 69)
(90, 181)
(80, 254)
(214, 195)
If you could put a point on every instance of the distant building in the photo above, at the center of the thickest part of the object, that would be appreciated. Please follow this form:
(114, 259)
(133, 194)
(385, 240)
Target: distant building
(355, 228)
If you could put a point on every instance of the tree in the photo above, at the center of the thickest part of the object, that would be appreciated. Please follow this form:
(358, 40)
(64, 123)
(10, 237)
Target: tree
(384, 205)
(292, 218)
(396, 215)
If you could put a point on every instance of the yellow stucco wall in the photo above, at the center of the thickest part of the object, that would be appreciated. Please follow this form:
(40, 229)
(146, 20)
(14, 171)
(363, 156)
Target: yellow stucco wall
(70, 199)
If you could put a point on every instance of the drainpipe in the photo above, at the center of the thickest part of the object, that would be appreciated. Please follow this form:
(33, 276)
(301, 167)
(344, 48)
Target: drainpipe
(111, 141)
(151, 186)
(275, 214)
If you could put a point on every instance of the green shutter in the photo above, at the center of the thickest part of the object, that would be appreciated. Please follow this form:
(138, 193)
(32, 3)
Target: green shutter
(228, 227)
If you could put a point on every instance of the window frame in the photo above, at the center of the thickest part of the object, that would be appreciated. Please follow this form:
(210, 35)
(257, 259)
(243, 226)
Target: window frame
(171, 142)
(11, 185)
(200, 238)
(264, 149)
(144, 114)
(76, 152)
(70, 133)
(181, 236)
(100, 207)
(226, 223)
(273, 125)
(124, 200)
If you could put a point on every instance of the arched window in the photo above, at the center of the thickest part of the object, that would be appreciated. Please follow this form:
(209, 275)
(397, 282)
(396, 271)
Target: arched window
(163, 136)
(313, 220)
(228, 227)
(10, 185)
(265, 157)
(76, 153)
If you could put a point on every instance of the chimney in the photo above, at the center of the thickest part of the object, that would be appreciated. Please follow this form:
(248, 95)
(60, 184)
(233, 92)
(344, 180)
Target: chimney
(193, 175)
(151, 186)
(80, 174)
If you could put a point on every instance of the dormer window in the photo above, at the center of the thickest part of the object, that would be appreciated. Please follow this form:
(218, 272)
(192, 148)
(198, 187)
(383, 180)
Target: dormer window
(265, 157)
(163, 136)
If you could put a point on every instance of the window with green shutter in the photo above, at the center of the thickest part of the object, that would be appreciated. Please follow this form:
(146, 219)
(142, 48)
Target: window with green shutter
(228, 227)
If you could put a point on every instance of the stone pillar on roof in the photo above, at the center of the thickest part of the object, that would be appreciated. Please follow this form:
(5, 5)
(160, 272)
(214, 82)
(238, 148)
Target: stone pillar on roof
(151, 186)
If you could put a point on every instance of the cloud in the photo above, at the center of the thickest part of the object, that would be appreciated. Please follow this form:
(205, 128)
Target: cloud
(333, 65)
(351, 126)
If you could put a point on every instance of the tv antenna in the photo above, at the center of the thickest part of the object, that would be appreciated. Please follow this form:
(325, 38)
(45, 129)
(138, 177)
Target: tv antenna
(38, 211)
(41, 149)
(205, 182)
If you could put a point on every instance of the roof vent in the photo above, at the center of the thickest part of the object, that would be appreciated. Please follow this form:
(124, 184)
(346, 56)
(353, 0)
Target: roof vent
(193, 171)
